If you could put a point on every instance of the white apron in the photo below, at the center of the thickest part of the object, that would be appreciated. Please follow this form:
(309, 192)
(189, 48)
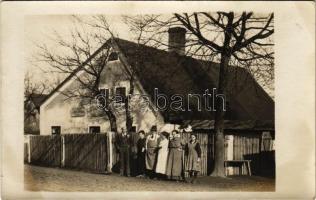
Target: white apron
(162, 157)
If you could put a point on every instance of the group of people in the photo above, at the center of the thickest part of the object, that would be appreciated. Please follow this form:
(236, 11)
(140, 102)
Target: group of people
(158, 155)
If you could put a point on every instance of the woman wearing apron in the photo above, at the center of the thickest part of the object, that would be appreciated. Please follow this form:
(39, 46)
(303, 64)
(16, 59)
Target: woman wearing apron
(151, 151)
(162, 155)
(193, 151)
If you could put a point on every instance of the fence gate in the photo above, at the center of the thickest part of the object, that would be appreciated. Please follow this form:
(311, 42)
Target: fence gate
(85, 151)
(45, 150)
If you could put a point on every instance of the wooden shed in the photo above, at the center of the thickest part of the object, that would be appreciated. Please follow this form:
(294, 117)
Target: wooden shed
(244, 140)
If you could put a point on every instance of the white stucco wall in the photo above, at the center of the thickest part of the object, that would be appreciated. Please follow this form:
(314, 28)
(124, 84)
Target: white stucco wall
(57, 112)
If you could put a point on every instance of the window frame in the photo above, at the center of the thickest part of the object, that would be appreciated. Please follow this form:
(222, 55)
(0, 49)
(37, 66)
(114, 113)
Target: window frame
(107, 96)
(115, 93)
(58, 128)
(90, 128)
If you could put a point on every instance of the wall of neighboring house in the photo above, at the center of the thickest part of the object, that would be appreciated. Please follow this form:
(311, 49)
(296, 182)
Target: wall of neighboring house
(75, 116)
(71, 115)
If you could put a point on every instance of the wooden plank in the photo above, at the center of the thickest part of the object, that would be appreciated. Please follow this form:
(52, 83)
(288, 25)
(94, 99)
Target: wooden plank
(45, 150)
(86, 151)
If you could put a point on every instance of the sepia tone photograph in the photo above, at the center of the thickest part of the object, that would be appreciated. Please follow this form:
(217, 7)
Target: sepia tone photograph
(150, 102)
(154, 100)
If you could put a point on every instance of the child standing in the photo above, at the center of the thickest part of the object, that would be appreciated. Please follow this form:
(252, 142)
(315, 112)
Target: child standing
(193, 151)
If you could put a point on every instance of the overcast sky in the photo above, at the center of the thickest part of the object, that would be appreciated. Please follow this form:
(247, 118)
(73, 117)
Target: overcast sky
(40, 30)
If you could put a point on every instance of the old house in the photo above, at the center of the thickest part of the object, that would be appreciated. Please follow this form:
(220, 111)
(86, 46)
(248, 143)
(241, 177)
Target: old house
(249, 109)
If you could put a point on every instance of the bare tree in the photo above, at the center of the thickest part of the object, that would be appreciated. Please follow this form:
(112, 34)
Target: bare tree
(240, 40)
(84, 51)
(77, 55)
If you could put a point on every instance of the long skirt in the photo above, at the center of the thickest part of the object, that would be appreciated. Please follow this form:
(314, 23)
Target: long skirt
(141, 163)
(174, 165)
(151, 158)
(162, 161)
(192, 163)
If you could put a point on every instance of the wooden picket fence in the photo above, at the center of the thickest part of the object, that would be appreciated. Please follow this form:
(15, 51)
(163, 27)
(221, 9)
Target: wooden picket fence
(79, 151)
(90, 152)
(250, 146)
(97, 152)
(85, 151)
(45, 150)
(244, 146)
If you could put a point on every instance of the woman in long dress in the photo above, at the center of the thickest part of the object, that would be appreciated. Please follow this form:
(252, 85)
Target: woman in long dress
(174, 164)
(192, 164)
(162, 159)
(151, 152)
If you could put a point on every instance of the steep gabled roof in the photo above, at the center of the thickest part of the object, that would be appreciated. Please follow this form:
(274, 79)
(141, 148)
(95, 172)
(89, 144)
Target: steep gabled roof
(175, 74)
(73, 73)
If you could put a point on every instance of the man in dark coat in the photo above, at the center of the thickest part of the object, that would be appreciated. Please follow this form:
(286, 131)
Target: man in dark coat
(123, 145)
(141, 153)
(133, 153)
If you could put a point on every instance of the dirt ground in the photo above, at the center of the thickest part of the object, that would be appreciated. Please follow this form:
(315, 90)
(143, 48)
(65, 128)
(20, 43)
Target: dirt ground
(53, 179)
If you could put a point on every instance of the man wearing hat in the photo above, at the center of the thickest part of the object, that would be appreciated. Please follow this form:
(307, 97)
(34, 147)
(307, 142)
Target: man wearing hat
(151, 151)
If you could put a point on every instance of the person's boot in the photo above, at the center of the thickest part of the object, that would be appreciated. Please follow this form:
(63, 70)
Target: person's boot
(194, 178)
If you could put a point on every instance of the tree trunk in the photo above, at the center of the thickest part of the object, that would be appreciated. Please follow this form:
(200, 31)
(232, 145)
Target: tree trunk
(219, 169)
(226, 53)
(129, 118)
(112, 119)
(109, 114)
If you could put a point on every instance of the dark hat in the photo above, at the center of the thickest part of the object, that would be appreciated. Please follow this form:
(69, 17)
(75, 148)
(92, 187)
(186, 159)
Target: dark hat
(164, 133)
(153, 128)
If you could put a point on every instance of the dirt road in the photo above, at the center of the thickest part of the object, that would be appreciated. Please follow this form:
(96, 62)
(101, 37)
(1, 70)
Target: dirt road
(52, 179)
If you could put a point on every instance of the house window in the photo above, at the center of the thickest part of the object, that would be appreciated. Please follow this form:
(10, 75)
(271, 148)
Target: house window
(105, 93)
(56, 130)
(120, 92)
(113, 56)
(94, 129)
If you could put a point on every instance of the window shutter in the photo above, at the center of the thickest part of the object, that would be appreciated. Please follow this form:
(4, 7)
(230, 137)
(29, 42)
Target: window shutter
(121, 91)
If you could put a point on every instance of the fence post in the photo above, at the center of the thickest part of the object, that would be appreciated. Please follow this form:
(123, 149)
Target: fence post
(110, 151)
(63, 153)
(29, 149)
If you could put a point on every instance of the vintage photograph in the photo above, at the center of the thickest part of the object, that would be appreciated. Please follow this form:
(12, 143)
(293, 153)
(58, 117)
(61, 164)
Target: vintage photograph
(150, 102)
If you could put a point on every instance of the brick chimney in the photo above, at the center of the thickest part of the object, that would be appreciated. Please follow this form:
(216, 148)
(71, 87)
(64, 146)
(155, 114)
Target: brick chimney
(177, 40)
